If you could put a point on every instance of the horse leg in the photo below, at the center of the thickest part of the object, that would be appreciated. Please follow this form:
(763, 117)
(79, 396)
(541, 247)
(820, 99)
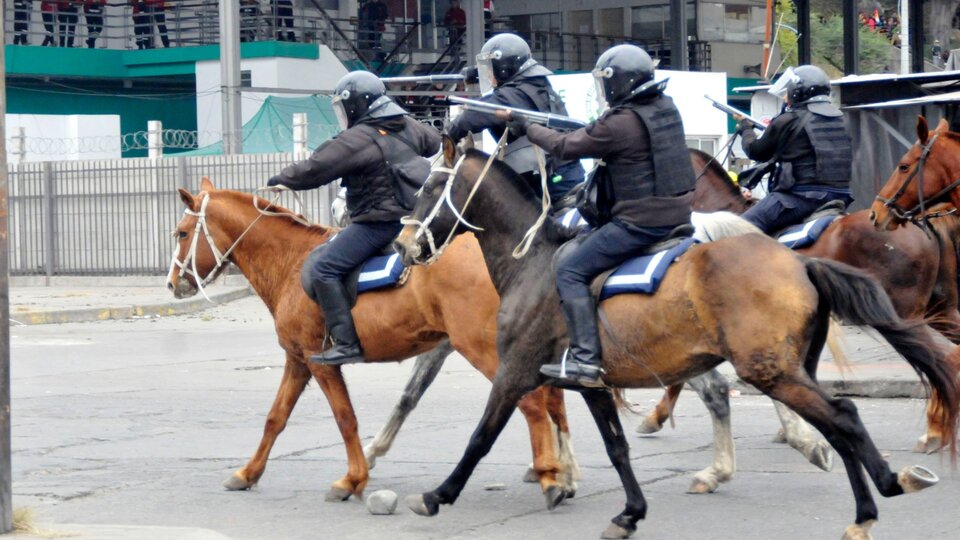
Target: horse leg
(654, 421)
(569, 467)
(544, 445)
(604, 411)
(294, 380)
(801, 438)
(504, 396)
(932, 441)
(334, 388)
(715, 394)
(424, 372)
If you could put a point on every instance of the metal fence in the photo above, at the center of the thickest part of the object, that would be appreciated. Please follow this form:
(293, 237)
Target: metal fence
(115, 217)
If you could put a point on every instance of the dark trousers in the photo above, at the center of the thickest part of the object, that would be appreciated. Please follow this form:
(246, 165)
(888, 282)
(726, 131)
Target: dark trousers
(248, 22)
(604, 248)
(94, 17)
(67, 19)
(155, 14)
(49, 23)
(283, 17)
(21, 22)
(780, 209)
(352, 247)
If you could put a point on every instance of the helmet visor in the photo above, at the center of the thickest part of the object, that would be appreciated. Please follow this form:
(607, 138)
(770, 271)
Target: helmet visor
(340, 110)
(488, 81)
(600, 77)
(782, 86)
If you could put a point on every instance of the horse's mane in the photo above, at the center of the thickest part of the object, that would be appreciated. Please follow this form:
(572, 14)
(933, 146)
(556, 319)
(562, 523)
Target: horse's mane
(713, 166)
(553, 230)
(246, 199)
(953, 136)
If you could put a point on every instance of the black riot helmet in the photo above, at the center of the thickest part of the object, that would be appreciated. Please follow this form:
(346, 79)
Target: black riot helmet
(807, 82)
(623, 73)
(361, 96)
(502, 57)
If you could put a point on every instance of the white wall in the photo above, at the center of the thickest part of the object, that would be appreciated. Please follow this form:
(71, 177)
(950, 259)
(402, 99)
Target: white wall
(51, 137)
(319, 75)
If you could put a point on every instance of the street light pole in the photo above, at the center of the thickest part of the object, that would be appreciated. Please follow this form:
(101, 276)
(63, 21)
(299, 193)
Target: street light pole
(231, 120)
(6, 477)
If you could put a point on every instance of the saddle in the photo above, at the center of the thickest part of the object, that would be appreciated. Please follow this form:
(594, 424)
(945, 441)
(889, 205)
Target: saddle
(806, 233)
(378, 272)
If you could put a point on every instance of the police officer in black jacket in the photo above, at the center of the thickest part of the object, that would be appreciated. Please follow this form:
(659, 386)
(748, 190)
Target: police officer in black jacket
(815, 152)
(508, 75)
(376, 131)
(650, 182)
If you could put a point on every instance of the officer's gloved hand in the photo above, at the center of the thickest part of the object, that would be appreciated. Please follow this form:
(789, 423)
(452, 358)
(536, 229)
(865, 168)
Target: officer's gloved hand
(744, 125)
(470, 75)
(275, 181)
(518, 125)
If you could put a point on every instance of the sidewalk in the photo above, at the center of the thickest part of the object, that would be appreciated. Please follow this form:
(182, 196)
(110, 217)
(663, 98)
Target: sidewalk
(72, 300)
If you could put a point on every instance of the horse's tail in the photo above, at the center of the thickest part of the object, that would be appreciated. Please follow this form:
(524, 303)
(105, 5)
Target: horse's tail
(858, 299)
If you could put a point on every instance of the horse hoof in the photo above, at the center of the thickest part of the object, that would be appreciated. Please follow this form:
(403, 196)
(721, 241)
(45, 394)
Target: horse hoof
(337, 494)
(615, 531)
(916, 478)
(859, 532)
(928, 445)
(780, 437)
(649, 426)
(554, 496)
(419, 506)
(236, 483)
(569, 493)
(531, 476)
(700, 486)
(371, 456)
(822, 456)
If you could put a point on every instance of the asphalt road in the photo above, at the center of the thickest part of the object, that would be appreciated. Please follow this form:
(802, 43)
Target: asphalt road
(138, 423)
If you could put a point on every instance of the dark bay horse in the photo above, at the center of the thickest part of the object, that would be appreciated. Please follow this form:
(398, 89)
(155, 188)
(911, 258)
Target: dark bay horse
(454, 300)
(708, 310)
(917, 270)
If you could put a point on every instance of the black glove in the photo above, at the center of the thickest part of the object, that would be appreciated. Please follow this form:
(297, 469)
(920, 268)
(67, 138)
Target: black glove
(275, 181)
(743, 126)
(518, 125)
(470, 75)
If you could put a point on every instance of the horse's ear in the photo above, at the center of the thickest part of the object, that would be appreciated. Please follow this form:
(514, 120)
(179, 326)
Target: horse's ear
(188, 200)
(206, 185)
(923, 130)
(942, 126)
(449, 151)
(467, 143)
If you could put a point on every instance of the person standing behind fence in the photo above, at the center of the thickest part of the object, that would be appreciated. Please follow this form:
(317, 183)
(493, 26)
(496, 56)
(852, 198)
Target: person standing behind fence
(455, 19)
(142, 29)
(283, 16)
(48, 11)
(155, 13)
(67, 17)
(93, 13)
(249, 15)
(21, 21)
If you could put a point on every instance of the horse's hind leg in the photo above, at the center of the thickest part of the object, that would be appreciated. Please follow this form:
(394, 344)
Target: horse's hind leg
(294, 380)
(715, 393)
(654, 421)
(604, 412)
(563, 446)
(801, 438)
(544, 445)
(335, 389)
(425, 371)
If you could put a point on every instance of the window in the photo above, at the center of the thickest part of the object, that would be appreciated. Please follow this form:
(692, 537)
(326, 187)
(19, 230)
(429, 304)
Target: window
(652, 23)
(739, 23)
(246, 79)
(708, 145)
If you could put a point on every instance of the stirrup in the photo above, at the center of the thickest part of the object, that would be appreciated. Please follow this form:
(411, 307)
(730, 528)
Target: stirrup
(337, 356)
(574, 372)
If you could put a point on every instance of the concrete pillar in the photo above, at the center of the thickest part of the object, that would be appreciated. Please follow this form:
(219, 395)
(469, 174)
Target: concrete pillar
(230, 76)
(300, 135)
(475, 29)
(679, 53)
(154, 139)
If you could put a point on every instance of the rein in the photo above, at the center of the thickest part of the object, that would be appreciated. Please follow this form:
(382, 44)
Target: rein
(189, 265)
(916, 213)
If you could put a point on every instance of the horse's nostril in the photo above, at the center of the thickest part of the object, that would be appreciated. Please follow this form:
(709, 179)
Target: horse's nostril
(170, 285)
(873, 216)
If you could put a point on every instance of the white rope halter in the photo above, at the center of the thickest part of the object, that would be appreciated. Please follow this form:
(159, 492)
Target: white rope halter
(189, 265)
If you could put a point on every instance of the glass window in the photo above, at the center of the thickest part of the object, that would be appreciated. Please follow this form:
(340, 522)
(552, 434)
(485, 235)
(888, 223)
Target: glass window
(652, 23)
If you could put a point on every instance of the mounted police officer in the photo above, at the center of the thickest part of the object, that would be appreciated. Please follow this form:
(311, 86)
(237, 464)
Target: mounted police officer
(649, 182)
(378, 138)
(812, 149)
(508, 75)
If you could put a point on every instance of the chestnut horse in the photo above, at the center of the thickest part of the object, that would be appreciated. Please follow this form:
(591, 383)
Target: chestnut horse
(454, 300)
(917, 270)
(708, 309)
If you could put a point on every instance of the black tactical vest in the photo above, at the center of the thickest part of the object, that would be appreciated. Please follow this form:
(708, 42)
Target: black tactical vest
(667, 171)
(378, 191)
(519, 154)
(833, 152)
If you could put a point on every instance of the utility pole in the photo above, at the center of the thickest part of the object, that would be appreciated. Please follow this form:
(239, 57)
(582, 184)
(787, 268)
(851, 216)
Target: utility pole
(6, 479)
(851, 38)
(231, 120)
(475, 34)
(679, 53)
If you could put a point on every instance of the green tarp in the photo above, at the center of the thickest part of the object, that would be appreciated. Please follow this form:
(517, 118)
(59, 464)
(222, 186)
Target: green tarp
(271, 130)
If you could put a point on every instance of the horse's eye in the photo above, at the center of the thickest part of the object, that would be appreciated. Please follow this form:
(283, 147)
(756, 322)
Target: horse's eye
(181, 234)
(903, 167)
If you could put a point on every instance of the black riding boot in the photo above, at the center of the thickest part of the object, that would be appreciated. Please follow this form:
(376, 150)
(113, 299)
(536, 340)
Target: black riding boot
(581, 362)
(332, 296)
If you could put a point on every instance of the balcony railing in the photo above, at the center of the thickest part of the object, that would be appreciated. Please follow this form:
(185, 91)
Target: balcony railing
(569, 51)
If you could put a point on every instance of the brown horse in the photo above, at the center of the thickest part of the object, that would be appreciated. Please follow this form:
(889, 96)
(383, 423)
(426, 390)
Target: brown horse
(454, 300)
(708, 309)
(917, 270)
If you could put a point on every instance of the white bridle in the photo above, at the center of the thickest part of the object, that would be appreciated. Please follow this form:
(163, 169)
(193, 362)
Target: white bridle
(423, 227)
(189, 265)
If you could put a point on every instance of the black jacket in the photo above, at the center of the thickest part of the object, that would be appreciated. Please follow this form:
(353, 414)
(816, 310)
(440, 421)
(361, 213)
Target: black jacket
(354, 156)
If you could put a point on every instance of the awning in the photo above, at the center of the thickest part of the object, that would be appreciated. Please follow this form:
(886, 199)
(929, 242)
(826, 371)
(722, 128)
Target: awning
(937, 99)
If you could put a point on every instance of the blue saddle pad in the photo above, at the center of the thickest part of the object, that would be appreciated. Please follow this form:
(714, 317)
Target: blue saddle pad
(571, 219)
(805, 234)
(379, 272)
(643, 274)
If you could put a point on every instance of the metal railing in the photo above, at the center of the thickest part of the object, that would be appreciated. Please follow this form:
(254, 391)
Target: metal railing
(569, 51)
(114, 217)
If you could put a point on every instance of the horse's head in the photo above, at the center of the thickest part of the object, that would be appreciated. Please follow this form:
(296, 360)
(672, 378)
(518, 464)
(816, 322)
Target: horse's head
(924, 177)
(438, 214)
(195, 263)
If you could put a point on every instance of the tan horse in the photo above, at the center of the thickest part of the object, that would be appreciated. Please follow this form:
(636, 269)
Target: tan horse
(454, 300)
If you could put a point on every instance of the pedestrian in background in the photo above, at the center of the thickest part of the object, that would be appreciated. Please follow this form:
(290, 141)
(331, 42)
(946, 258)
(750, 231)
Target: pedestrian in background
(142, 30)
(93, 14)
(455, 19)
(21, 21)
(155, 13)
(48, 11)
(68, 13)
(283, 17)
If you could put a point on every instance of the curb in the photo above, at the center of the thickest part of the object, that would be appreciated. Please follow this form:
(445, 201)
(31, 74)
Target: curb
(876, 388)
(164, 309)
